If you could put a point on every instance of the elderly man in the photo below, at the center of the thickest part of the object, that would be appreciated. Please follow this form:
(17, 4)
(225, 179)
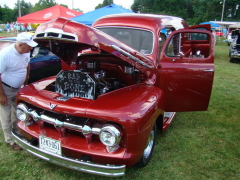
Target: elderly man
(14, 72)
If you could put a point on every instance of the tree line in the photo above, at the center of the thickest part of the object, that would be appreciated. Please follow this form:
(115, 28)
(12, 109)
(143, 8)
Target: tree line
(193, 11)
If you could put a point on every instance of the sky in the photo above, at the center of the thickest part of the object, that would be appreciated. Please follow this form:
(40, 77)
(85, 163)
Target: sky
(84, 5)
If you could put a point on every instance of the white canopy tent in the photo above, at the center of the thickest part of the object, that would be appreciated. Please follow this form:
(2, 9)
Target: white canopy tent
(237, 25)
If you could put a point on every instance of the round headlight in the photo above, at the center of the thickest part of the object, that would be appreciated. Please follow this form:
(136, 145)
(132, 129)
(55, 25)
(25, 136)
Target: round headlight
(110, 135)
(22, 112)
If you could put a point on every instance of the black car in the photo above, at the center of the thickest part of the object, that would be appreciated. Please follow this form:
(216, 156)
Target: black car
(43, 62)
(234, 52)
(232, 36)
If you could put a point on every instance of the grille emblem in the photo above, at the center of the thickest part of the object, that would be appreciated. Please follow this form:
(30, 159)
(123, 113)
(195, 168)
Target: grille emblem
(52, 106)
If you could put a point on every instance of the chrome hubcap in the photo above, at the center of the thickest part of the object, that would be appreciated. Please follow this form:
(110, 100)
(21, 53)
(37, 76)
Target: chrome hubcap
(148, 149)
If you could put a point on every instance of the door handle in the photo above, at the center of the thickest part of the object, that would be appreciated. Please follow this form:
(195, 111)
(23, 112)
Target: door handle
(209, 70)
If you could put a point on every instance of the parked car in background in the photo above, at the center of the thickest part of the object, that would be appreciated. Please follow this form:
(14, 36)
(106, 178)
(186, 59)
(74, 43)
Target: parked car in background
(232, 35)
(219, 32)
(103, 115)
(234, 51)
(229, 39)
(43, 62)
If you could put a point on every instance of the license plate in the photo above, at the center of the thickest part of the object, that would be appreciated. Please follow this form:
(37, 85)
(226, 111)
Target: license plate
(50, 145)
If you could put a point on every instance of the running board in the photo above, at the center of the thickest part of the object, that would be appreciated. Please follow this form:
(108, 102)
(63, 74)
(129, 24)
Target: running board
(168, 117)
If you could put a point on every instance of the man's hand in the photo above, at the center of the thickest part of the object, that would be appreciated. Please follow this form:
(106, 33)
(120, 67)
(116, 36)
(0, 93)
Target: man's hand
(3, 99)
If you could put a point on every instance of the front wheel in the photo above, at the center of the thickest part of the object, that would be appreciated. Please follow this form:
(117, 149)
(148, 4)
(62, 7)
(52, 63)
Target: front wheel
(147, 153)
(231, 60)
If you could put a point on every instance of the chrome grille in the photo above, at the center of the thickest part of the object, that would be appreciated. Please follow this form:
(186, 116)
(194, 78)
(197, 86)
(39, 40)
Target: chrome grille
(58, 34)
(60, 122)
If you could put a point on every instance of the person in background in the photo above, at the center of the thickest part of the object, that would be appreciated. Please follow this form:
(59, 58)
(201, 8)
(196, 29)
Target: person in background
(25, 25)
(8, 27)
(225, 33)
(214, 35)
(17, 27)
(12, 27)
(14, 72)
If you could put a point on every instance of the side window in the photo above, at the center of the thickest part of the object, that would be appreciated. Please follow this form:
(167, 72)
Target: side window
(161, 41)
(40, 51)
(35, 52)
(198, 36)
(173, 48)
(189, 45)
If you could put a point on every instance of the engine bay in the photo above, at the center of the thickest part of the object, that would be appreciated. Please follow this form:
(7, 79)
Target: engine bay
(95, 75)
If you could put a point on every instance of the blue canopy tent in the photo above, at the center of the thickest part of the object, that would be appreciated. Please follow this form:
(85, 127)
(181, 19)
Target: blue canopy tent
(213, 25)
(90, 17)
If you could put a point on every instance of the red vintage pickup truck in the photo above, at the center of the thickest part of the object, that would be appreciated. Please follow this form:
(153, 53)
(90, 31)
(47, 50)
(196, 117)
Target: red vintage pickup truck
(123, 80)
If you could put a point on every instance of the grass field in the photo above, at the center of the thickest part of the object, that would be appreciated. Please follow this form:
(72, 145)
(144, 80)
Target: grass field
(197, 146)
(5, 34)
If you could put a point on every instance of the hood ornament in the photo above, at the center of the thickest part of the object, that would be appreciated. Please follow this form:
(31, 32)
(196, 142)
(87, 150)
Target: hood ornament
(52, 106)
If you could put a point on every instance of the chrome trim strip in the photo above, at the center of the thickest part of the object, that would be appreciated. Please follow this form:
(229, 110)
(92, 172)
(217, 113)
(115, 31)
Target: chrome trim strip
(208, 70)
(79, 165)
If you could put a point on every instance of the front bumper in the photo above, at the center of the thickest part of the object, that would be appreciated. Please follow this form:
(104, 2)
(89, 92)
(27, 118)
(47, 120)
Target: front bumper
(235, 56)
(79, 165)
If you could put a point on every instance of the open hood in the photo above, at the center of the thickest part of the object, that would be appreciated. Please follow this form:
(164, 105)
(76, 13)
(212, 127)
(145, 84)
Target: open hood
(67, 39)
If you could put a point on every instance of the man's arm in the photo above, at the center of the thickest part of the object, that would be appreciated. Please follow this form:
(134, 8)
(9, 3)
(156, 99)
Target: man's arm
(3, 97)
(27, 75)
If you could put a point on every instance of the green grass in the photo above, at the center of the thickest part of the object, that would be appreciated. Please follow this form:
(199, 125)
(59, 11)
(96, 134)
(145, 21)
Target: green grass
(5, 34)
(197, 146)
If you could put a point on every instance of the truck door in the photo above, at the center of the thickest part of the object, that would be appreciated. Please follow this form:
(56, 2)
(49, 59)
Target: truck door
(186, 70)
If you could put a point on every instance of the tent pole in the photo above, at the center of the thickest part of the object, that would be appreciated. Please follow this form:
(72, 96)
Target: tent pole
(223, 10)
(19, 9)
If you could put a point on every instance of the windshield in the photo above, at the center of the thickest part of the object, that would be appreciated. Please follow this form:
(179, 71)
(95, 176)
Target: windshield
(141, 40)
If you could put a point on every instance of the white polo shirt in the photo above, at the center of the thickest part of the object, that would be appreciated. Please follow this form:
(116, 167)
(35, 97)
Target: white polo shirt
(13, 66)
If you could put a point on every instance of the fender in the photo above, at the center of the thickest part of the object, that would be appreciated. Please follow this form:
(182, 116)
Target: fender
(131, 107)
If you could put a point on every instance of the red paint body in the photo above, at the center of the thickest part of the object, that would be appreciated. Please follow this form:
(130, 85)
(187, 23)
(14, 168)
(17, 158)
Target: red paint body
(158, 81)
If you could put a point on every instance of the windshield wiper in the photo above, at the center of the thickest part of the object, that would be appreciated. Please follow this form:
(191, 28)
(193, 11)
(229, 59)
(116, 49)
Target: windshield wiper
(131, 56)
